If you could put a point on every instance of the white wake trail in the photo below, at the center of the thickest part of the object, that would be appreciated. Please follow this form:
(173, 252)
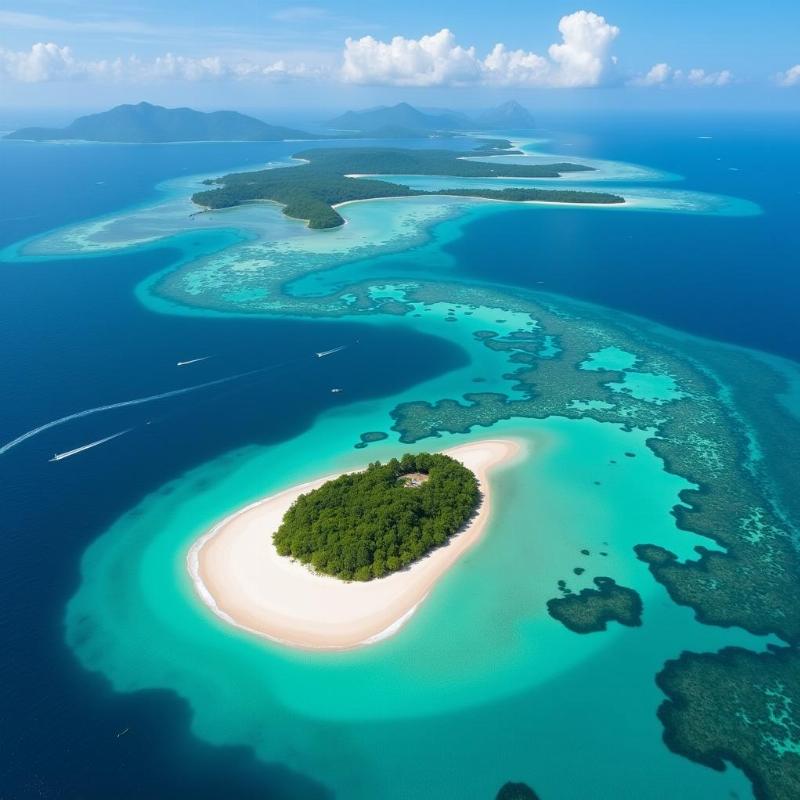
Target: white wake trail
(191, 361)
(75, 451)
(123, 404)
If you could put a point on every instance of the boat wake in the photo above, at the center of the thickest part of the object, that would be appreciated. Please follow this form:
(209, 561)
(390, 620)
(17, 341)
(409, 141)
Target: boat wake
(75, 451)
(192, 361)
(153, 397)
(125, 403)
(331, 352)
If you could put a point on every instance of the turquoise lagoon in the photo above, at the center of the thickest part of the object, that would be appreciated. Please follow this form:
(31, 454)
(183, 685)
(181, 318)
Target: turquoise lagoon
(481, 686)
(480, 656)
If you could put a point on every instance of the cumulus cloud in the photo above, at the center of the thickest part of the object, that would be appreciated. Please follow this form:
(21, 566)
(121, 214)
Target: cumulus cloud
(663, 75)
(515, 67)
(51, 62)
(699, 77)
(433, 60)
(789, 78)
(582, 58)
(46, 61)
(657, 75)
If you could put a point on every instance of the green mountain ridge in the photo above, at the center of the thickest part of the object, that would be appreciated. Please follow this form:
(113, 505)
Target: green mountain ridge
(403, 115)
(148, 123)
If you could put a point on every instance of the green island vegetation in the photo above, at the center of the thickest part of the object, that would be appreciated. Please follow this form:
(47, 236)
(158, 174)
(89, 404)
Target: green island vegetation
(741, 707)
(309, 191)
(365, 525)
(516, 791)
(369, 437)
(452, 163)
(592, 609)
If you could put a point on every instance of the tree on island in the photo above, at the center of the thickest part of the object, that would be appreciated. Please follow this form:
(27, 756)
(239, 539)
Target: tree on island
(309, 191)
(368, 524)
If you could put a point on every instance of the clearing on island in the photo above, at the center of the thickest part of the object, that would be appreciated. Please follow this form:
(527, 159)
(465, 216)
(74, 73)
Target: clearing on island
(368, 524)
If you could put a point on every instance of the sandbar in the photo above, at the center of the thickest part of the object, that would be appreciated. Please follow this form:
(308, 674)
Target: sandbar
(238, 574)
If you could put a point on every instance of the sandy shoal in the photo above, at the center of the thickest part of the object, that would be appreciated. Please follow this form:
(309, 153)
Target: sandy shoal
(238, 573)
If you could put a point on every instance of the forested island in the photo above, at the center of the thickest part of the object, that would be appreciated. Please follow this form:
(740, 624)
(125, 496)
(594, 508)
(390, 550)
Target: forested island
(310, 190)
(365, 525)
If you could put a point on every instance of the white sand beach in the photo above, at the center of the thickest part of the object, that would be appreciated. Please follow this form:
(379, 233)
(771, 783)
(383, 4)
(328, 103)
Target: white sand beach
(238, 573)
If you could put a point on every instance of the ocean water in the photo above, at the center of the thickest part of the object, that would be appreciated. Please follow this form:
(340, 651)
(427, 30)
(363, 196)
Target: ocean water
(120, 683)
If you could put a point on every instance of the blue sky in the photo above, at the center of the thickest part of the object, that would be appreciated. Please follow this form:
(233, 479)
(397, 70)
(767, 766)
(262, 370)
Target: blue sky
(250, 54)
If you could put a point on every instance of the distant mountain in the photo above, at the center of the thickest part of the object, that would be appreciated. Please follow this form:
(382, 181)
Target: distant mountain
(146, 123)
(399, 132)
(507, 115)
(405, 116)
(400, 116)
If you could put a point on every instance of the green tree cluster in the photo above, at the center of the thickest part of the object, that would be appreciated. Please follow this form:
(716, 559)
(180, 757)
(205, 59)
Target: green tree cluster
(309, 191)
(368, 524)
(305, 192)
(408, 161)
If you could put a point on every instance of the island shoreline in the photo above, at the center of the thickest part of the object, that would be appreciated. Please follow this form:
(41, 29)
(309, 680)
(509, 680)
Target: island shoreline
(237, 573)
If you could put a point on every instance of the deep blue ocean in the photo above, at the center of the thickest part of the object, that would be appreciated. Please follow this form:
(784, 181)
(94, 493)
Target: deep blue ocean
(73, 336)
(729, 278)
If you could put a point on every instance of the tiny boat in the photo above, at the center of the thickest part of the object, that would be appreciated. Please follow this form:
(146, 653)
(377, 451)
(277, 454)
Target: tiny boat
(74, 452)
(330, 352)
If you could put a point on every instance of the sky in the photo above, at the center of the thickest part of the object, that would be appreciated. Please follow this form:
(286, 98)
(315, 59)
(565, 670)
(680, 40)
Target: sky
(63, 55)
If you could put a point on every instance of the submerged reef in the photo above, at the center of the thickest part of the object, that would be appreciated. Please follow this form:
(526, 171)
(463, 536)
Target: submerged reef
(741, 707)
(370, 436)
(591, 610)
(695, 434)
(516, 791)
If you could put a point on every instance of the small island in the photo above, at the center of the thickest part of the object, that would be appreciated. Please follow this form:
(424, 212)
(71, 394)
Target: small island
(365, 525)
(434, 506)
(591, 610)
(331, 177)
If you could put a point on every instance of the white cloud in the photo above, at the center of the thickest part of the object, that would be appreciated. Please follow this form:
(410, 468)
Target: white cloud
(582, 58)
(430, 61)
(789, 78)
(174, 67)
(47, 62)
(663, 75)
(51, 62)
(699, 77)
(515, 67)
(657, 75)
(40, 64)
